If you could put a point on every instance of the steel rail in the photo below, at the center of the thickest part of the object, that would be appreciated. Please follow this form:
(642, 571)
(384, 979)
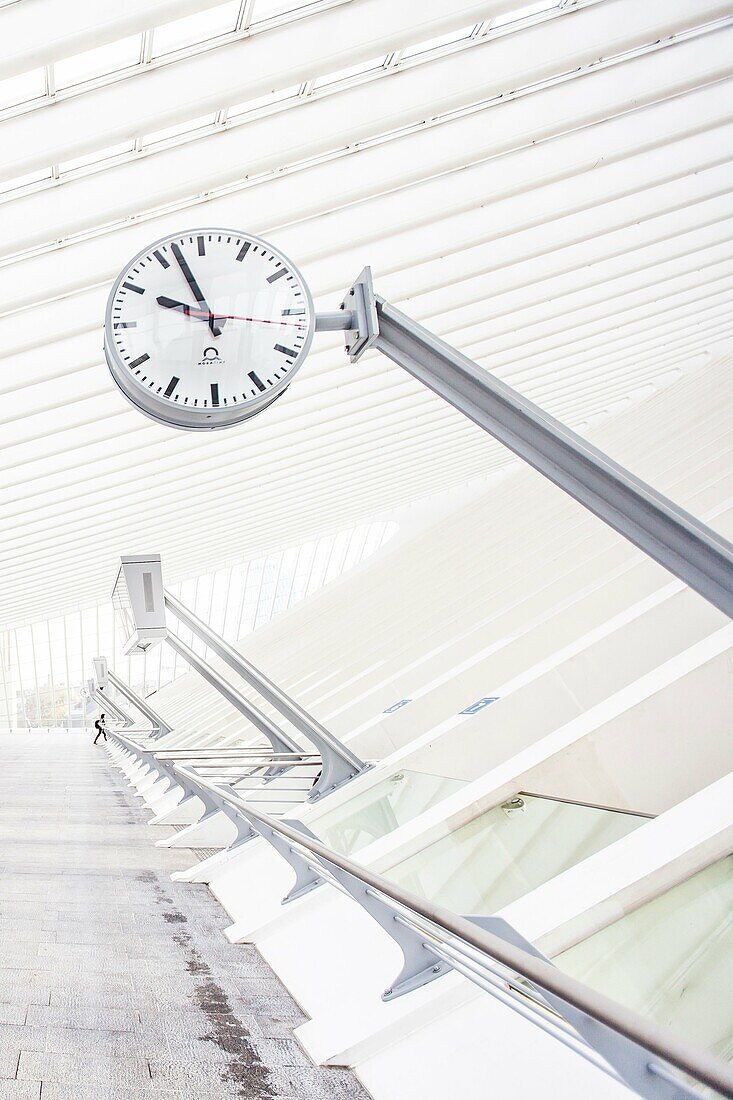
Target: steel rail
(542, 973)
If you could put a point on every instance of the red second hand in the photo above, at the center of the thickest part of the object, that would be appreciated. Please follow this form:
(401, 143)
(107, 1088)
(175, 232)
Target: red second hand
(234, 317)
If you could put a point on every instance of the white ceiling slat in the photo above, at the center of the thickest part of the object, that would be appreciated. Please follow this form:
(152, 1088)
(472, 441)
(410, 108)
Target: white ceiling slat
(196, 86)
(167, 457)
(461, 325)
(553, 318)
(80, 312)
(354, 114)
(625, 369)
(230, 529)
(232, 459)
(605, 255)
(522, 180)
(39, 32)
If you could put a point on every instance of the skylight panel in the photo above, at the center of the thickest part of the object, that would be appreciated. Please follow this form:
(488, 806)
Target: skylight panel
(263, 101)
(171, 132)
(25, 180)
(195, 29)
(97, 157)
(351, 72)
(22, 88)
(521, 13)
(435, 44)
(268, 9)
(102, 61)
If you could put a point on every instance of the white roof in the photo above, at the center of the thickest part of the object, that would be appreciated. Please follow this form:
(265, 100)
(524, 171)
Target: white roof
(547, 187)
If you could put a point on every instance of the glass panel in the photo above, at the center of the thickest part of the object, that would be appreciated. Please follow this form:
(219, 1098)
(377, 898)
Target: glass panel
(101, 61)
(383, 808)
(439, 43)
(22, 88)
(197, 28)
(508, 851)
(190, 126)
(268, 9)
(97, 157)
(671, 959)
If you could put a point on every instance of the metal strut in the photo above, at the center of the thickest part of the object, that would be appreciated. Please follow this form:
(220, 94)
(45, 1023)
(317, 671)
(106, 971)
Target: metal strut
(674, 538)
(140, 704)
(278, 739)
(339, 764)
(104, 701)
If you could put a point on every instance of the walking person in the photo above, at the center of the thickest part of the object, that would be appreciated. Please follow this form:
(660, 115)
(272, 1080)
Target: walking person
(100, 728)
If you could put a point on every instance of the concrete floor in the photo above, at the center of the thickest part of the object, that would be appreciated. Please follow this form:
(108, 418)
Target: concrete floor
(114, 981)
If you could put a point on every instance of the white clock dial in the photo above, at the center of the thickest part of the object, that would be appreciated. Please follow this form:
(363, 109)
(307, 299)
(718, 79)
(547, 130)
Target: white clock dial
(207, 328)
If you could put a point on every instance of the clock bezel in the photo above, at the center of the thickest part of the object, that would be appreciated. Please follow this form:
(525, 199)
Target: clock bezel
(185, 417)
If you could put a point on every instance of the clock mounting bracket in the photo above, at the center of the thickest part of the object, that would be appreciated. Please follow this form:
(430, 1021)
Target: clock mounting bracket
(356, 317)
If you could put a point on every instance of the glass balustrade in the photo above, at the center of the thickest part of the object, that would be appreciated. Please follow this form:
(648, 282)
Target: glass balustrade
(671, 959)
(508, 851)
(382, 809)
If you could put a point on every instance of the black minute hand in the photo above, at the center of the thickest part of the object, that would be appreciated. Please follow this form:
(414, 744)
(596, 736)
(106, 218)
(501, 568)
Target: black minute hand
(183, 264)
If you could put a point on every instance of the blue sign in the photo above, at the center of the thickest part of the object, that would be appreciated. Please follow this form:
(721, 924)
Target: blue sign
(397, 706)
(480, 704)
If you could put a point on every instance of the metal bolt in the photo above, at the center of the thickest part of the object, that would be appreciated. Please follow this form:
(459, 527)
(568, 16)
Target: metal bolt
(343, 305)
(351, 292)
(437, 969)
(347, 348)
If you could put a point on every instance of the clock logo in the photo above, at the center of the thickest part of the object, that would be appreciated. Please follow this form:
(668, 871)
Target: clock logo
(210, 356)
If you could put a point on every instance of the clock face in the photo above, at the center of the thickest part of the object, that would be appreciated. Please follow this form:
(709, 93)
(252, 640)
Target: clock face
(207, 328)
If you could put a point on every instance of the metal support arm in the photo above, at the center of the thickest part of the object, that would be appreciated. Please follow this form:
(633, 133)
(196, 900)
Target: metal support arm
(278, 738)
(699, 556)
(140, 704)
(340, 764)
(104, 701)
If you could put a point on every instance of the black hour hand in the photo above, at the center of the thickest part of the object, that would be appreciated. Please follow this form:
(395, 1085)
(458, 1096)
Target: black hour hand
(190, 311)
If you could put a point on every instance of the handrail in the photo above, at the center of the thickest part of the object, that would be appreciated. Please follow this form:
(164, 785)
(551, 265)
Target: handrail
(537, 970)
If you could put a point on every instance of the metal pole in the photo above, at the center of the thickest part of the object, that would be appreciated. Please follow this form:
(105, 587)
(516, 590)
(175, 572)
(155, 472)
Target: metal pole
(140, 704)
(699, 556)
(104, 702)
(340, 764)
(278, 738)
